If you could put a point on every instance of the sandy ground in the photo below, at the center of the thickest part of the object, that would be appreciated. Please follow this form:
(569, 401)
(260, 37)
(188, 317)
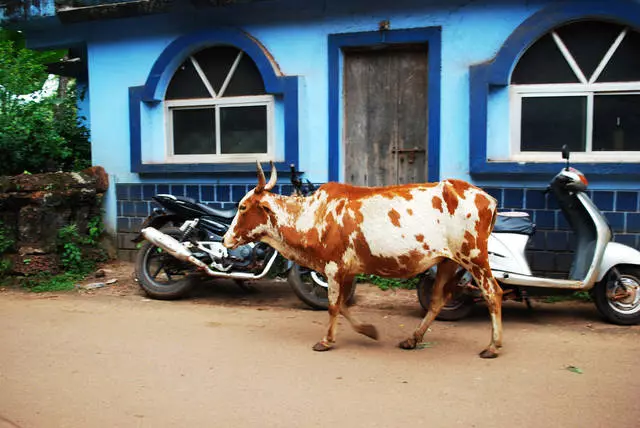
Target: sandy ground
(224, 358)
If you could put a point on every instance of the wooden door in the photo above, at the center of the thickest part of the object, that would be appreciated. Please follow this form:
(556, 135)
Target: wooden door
(385, 115)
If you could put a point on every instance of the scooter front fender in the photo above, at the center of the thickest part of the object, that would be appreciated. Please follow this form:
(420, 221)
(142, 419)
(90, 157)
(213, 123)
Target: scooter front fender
(617, 254)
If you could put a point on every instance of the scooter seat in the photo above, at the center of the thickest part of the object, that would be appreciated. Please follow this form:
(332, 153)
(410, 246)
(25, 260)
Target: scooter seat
(514, 222)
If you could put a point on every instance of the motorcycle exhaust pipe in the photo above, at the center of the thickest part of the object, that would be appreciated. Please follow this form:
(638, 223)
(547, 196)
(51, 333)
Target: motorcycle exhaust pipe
(177, 250)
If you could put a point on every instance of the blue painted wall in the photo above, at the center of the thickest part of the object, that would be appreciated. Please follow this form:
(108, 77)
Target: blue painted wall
(122, 52)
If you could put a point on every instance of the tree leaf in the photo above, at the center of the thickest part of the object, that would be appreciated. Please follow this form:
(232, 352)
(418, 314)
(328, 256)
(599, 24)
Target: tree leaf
(574, 369)
(423, 345)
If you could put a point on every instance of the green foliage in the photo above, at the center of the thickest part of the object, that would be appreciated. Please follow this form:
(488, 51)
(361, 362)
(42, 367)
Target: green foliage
(71, 243)
(70, 252)
(5, 267)
(5, 244)
(95, 230)
(39, 133)
(390, 283)
(78, 256)
(5, 241)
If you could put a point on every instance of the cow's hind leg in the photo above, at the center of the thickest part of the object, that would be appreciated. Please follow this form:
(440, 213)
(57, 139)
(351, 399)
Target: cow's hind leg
(492, 294)
(442, 289)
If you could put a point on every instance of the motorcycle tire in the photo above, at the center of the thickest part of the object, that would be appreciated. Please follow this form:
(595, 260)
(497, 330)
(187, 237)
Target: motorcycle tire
(310, 291)
(457, 308)
(618, 308)
(173, 288)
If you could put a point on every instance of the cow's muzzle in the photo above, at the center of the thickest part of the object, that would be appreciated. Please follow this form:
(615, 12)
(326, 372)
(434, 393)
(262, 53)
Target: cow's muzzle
(229, 242)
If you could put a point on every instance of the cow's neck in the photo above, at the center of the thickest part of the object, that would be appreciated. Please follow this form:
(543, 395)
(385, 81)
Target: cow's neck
(283, 235)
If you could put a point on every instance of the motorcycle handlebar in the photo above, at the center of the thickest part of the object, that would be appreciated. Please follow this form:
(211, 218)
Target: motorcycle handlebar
(297, 183)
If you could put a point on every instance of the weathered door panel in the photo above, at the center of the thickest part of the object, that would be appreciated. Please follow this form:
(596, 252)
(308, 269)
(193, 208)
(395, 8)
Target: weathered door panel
(385, 107)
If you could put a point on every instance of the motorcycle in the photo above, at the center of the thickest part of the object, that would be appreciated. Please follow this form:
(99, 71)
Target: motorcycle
(184, 238)
(609, 271)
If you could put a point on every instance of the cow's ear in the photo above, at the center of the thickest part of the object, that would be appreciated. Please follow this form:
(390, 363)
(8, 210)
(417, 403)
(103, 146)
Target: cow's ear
(265, 207)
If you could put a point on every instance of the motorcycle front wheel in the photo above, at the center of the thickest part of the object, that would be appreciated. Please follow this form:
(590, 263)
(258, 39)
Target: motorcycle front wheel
(312, 288)
(457, 308)
(618, 299)
(161, 275)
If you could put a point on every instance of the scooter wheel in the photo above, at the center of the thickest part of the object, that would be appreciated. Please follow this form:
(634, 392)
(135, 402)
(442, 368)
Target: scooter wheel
(618, 300)
(459, 307)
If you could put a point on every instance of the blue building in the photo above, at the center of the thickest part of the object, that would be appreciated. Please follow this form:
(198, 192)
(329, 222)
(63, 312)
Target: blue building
(185, 96)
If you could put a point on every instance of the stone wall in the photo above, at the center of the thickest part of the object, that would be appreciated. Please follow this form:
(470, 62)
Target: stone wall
(33, 207)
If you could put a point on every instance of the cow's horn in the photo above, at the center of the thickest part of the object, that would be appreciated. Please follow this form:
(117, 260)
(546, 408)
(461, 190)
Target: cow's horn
(273, 178)
(261, 179)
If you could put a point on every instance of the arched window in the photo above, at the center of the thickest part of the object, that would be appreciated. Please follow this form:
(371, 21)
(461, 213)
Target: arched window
(217, 109)
(578, 85)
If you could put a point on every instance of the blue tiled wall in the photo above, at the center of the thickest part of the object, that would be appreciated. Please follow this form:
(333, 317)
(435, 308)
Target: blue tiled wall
(550, 249)
(135, 204)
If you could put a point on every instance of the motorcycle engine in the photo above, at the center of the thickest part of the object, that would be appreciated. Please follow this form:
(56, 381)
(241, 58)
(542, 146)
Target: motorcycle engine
(241, 253)
(244, 257)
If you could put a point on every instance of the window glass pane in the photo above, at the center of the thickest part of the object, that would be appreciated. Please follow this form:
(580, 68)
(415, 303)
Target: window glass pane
(543, 63)
(216, 63)
(194, 131)
(246, 80)
(616, 123)
(243, 129)
(186, 83)
(624, 65)
(550, 122)
(588, 42)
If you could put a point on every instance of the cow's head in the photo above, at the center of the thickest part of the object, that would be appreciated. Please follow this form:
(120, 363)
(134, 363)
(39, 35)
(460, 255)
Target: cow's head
(254, 217)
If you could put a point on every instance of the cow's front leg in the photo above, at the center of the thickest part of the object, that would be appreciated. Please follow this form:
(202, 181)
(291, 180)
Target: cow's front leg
(334, 309)
(444, 284)
(368, 330)
(339, 289)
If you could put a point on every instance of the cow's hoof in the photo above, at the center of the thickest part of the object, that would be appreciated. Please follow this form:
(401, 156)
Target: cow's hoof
(489, 353)
(368, 330)
(322, 346)
(408, 344)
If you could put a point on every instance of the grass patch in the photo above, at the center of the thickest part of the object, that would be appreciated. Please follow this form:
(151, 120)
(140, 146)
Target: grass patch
(578, 296)
(390, 283)
(46, 282)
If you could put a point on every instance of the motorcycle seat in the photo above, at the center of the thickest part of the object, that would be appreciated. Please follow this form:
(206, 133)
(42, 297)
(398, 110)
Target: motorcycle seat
(514, 222)
(228, 214)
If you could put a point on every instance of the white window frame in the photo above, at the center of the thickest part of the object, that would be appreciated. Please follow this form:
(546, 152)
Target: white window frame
(230, 102)
(588, 88)
(217, 101)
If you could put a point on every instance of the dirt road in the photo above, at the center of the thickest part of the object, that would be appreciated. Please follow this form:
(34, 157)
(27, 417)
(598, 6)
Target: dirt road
(224, 359)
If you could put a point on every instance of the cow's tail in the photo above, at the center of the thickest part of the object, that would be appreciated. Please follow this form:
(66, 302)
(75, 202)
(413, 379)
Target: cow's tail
(495, 216)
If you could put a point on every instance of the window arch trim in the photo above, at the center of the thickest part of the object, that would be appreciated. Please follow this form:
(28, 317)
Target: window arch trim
(180, 49)
(154, 89)
(497, 73)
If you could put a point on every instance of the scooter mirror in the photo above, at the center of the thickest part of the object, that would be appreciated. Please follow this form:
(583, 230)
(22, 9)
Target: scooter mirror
(565, 154)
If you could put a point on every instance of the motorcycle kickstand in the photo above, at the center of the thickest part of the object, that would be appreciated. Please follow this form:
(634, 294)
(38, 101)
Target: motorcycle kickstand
(526, 299)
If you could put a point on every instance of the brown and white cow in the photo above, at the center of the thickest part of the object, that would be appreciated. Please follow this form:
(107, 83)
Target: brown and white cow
(395, 231)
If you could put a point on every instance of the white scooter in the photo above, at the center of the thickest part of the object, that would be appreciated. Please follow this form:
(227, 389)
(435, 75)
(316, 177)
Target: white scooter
(608, 270)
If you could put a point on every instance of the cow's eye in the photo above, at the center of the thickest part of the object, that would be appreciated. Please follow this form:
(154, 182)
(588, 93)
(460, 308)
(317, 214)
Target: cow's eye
(242, 207)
